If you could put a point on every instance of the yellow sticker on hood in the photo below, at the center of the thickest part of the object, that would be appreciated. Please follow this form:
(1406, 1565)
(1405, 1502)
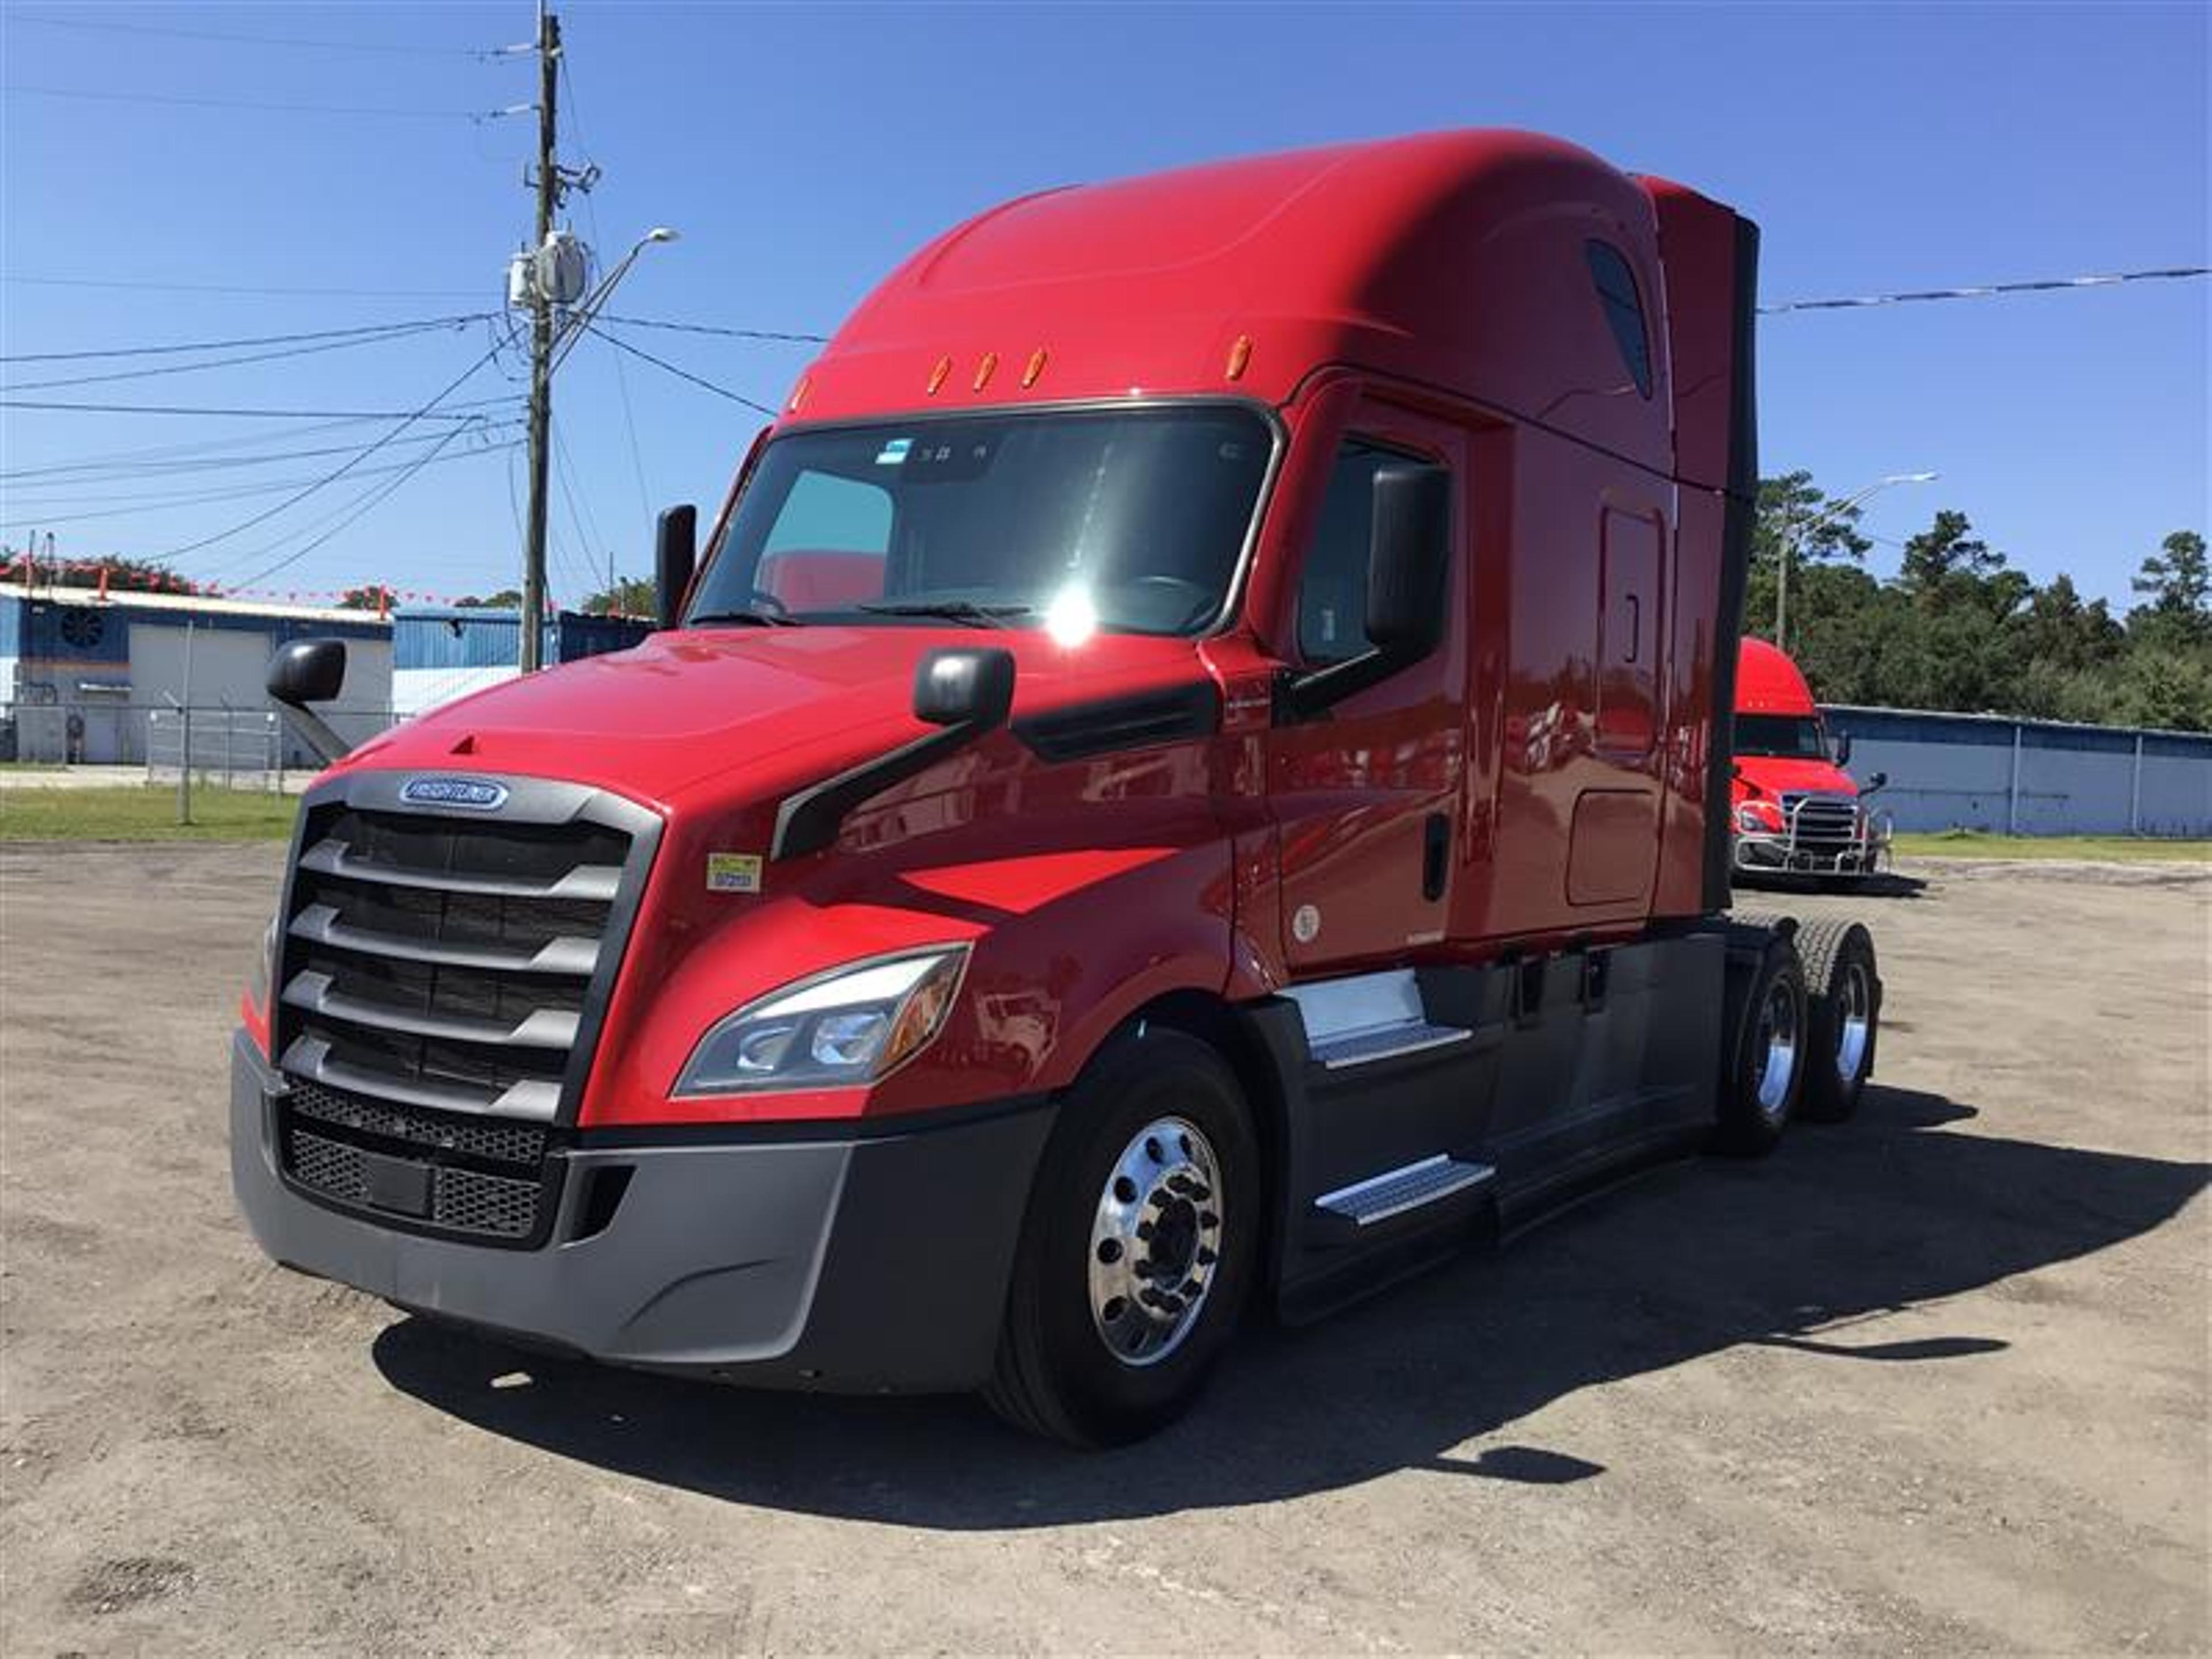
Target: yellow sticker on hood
(733, 872)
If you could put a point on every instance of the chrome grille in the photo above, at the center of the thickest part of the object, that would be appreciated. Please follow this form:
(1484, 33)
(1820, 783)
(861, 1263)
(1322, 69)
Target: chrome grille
(444, 962)
(441, 975)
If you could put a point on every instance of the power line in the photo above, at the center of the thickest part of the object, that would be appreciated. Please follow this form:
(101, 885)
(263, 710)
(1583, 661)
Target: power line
(622, 372)
(386, 109)
(368, 503)
(710, 328)
(104, 27)
(88, 474)
(248, 414)
(681, 374)
(242, 288)
(457, 319)
(146, 503)
(1983, 291)
(331, 478)
(280, 353)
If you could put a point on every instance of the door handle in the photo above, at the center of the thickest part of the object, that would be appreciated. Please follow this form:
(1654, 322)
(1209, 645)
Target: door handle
(1436, 855)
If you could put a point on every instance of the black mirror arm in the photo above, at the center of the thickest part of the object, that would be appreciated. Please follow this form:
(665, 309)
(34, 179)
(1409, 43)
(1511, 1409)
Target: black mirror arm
(314, 730)
(808, 820)
(1304, 696)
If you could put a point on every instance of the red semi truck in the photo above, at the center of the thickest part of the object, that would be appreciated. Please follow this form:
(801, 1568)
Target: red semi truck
(1797, 812)
(1193, 776)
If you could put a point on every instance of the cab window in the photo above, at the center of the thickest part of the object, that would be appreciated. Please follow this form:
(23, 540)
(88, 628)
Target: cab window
(1332, 591)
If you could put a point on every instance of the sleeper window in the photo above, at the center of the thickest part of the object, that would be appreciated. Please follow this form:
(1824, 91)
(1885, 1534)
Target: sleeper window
(1624, 310)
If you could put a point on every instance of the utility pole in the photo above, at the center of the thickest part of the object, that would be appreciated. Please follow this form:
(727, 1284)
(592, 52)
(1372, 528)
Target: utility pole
(541, 346)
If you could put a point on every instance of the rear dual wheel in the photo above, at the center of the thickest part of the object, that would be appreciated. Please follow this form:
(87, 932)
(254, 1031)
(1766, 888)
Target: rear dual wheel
(1843, 1016)
(1763, 1073)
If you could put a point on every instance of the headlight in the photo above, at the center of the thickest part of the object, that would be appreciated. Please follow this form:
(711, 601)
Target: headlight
(847, 1026)
(1758, 817)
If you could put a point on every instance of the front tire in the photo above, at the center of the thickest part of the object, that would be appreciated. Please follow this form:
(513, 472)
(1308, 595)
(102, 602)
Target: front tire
(1138, 1250)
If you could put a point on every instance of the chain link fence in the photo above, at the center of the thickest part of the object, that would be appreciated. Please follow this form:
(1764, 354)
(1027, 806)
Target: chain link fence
(249, 748)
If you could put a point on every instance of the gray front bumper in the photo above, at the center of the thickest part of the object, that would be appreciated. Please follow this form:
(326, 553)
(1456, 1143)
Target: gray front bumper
(848, 1263)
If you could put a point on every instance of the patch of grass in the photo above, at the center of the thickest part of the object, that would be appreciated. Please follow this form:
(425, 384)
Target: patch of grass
(142, 814)
(1975, 844)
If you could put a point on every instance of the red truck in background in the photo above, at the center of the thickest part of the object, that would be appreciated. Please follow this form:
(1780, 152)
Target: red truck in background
(1797, 812)
(1193, 777)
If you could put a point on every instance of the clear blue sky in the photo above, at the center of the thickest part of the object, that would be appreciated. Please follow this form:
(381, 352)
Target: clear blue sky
(801, 150)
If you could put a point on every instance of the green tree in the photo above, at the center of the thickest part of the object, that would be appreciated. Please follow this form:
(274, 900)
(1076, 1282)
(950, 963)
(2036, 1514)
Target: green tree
(630, 597)
(2178, 586)
(1819, 528)
(1939, 556)
(372, 596)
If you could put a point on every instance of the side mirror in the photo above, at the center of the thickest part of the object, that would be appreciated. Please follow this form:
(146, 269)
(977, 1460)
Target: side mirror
(675, 554)
(1879, 780)
(305, 671)
(1409, 559)
(1843, 749)
(964, 688)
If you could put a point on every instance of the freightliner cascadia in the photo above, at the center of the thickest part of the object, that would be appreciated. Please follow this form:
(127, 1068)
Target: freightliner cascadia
(1192, 778)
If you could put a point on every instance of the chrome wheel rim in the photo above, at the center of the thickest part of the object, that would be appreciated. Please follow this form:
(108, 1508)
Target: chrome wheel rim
(1854, 1024)
(1774, 1056)
(1156, 1241)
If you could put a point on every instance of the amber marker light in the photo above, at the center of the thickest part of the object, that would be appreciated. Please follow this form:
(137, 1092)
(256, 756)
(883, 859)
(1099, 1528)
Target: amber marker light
(1240, 355)
(986, 369)
(1036, 367)
(936, 375)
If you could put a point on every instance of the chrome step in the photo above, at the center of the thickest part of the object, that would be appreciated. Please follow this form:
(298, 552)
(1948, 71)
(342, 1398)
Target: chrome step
(1367, 1018)
(1378, 1198)
(1385, 1043)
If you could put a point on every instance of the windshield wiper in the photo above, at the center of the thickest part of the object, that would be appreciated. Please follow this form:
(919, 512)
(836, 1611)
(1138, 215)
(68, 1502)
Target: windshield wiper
(763, 618)
(961, 611)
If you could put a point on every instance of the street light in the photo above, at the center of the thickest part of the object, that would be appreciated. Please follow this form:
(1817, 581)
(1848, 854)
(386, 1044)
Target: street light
(580, 318)
(1793, 532)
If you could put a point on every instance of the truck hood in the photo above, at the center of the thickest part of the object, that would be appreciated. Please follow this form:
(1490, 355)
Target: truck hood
(735, 706)
(1777, 776)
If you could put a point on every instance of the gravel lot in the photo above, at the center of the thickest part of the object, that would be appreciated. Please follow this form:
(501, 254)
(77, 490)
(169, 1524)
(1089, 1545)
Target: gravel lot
(1936, 1379)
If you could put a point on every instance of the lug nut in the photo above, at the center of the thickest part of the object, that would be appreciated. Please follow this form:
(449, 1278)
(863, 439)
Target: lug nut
(1206, 1258)
(1109, 1250)
(1207, 1220)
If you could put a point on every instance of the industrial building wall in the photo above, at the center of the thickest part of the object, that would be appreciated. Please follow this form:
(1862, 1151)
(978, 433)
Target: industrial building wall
(2030, 777)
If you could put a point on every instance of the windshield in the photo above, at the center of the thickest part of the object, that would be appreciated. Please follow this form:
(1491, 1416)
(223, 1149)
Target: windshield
(1128, 519)
(1789, 737)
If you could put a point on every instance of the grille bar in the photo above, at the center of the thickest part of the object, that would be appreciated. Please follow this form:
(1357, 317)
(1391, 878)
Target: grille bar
(321, 923)
(334, 857)
(542, 1028)
(538, 1100)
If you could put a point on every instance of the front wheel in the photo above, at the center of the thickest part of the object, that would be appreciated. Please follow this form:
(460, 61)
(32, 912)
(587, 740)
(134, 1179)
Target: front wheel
(1138, 1250)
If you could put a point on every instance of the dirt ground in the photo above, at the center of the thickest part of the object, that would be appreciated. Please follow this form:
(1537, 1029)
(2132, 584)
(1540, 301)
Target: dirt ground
(1933, 1380)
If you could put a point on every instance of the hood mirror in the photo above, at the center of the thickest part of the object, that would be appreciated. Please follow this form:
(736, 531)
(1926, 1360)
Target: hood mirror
(675, 554)
(305, 671)
(964, 688)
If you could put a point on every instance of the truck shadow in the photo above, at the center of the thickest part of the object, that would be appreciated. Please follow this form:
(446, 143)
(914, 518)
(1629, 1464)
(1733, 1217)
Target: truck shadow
(1841, 1226)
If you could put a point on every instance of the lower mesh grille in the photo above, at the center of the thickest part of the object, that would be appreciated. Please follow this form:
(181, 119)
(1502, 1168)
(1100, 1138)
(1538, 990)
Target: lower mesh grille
(487, 1137)
(332, 1142)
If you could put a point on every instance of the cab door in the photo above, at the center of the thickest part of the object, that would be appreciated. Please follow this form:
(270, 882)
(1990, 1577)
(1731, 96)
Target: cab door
(1365, 794)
